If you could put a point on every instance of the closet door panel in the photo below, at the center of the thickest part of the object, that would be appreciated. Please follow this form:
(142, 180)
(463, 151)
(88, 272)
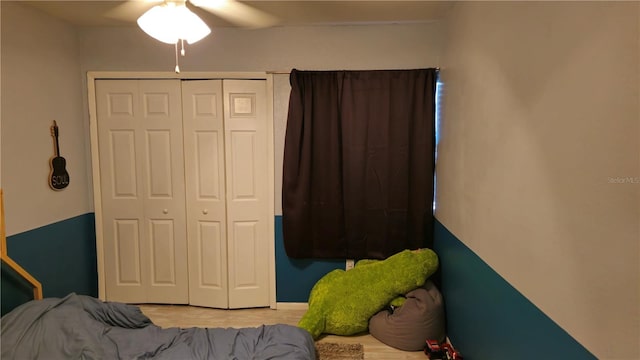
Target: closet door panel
(245, 245)
(118, 107)
(158, 161)
(243, 150)
(122, 168)
(142, 188)
(211, 274)
(164, 203)
(206, 194)
(161, 253)
(208, 166)
(247, 191)
(127, 250)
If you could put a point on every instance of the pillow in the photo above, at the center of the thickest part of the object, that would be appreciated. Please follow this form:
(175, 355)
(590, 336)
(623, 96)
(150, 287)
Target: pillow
(421, 317)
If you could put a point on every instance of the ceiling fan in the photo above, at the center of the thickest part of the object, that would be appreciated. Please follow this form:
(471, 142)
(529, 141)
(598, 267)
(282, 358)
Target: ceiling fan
(233, 11)
(172, 22)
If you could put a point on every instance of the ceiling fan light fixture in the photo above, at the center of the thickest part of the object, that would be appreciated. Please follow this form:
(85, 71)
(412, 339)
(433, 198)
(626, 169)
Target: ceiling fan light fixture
(172, 22)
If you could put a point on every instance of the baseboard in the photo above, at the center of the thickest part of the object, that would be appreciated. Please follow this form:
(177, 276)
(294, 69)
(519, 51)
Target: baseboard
(292, 306)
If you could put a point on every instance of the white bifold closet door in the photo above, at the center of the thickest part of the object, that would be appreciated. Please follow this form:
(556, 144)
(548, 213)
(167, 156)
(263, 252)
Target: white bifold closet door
(227, 208)
(183, 171)
(143, 195)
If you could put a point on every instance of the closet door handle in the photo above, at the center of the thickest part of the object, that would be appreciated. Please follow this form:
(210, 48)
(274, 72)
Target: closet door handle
(205, 211)
(165, 211)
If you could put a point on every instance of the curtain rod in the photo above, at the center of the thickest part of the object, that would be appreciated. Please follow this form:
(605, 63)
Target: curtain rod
(286, 72)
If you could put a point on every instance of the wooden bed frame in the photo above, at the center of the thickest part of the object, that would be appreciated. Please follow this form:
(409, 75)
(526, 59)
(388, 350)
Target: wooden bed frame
(37, 287)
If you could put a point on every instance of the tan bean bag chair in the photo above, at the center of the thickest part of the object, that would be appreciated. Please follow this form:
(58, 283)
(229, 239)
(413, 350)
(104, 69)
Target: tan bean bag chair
(421, 317)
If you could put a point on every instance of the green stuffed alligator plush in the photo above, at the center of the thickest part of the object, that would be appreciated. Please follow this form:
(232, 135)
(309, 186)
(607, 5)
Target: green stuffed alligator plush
(342, 302)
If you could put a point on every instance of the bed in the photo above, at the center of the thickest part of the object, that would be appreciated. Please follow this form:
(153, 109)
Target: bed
(82, 327)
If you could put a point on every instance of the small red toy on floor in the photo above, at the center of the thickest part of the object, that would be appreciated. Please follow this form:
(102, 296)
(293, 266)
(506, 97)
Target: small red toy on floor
(435, 351)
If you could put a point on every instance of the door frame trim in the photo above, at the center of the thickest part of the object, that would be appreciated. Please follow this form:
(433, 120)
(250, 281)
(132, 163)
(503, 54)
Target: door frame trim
(92, 76)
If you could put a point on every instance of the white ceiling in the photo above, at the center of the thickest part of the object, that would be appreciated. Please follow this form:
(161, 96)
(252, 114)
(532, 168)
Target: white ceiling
(288, 13)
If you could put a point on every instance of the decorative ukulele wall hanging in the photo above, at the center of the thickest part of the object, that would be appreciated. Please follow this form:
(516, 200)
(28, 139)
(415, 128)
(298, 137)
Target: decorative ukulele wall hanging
(59, 178)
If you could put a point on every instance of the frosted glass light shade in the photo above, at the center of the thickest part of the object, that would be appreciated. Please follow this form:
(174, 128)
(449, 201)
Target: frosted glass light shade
(171, 22)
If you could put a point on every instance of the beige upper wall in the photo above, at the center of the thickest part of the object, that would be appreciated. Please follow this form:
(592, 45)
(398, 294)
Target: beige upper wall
(41, 82)
(398, 46)
(541, 123)
(45, 61)
(281, 91)
(361, 47)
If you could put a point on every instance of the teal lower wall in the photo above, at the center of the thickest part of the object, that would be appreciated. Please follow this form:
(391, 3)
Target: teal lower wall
(62, 256)
(487, 318)
(15, 291)
(296, 277)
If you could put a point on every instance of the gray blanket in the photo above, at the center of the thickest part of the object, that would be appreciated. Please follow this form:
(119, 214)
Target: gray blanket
(81, 327)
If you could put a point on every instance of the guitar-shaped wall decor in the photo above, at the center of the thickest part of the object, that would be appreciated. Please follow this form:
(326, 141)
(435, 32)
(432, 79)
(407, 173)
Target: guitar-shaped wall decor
(59, 178)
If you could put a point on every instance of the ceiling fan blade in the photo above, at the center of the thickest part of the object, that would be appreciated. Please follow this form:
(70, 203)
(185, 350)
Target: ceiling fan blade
(237, 13)
(131, 10)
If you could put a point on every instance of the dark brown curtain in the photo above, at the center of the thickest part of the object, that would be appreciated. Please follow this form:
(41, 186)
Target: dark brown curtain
(358, 163)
